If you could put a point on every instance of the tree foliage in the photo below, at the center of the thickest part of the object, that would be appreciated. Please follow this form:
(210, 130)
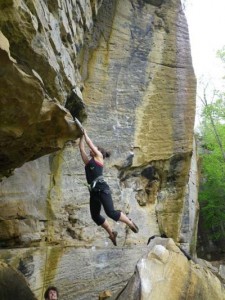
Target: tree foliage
(212, 188)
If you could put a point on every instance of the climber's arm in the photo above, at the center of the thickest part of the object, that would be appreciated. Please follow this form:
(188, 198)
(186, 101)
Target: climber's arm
(82, 150)
(92, 146)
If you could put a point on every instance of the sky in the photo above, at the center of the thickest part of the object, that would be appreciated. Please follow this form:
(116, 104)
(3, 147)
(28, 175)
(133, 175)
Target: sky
(206, 22)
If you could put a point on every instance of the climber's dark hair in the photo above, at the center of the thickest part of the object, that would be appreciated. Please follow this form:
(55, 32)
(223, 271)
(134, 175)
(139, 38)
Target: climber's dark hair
(104, 152)
(51, 288)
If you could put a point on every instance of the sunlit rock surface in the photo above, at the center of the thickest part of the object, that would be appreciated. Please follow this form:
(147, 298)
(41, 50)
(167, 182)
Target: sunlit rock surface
(140, 90)
(166, 272)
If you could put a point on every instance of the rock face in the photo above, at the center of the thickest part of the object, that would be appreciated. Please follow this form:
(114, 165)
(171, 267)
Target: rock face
(166, 271)
(139, 81)
(78, 273)
(13, 285)
(125, 68)
(38, 43)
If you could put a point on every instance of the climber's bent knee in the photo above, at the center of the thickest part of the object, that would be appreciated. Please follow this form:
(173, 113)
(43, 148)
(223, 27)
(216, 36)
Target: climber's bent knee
(99, 220)
(113, 214)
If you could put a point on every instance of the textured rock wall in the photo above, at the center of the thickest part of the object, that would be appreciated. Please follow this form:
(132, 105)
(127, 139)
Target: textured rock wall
(189, 221)
(132, 66)
(13, 285)
(39, 43)
(156, 275)
(139, 90)
(78, 273)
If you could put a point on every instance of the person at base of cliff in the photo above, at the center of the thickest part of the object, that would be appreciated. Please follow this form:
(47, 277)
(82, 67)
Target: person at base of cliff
(100, 194)
(51, 293)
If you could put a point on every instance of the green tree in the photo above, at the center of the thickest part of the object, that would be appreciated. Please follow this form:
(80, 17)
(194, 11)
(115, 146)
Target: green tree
(212, 154)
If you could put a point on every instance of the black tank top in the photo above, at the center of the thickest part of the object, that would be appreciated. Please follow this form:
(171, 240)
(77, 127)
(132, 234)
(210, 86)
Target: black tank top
(93, 169)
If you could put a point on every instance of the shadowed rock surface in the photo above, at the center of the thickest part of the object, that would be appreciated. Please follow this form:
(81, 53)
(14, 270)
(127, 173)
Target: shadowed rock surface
(13, 285)
(38, 75)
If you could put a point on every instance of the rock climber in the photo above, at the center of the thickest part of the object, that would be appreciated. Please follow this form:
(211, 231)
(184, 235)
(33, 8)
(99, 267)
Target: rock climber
(100, 194)
(51, 293)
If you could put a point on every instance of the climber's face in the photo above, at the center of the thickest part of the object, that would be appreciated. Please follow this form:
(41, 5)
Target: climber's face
(52, 295)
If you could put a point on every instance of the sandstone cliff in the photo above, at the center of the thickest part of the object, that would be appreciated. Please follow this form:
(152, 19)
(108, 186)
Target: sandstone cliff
(124, 68)
(166, 271)
(38, 51)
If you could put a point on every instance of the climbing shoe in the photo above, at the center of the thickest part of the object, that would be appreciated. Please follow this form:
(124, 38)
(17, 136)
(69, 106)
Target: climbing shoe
(113, 239)
(134, 227)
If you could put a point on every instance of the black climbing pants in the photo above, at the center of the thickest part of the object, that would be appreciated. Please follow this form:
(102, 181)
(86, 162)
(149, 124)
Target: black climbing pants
(102, 198)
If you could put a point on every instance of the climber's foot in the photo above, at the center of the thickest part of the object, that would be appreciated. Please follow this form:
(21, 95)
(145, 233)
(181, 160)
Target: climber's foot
(113, 238)
(134, 227)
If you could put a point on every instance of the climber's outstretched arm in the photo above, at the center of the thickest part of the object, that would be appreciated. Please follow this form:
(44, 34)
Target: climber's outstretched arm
(91, 145)
(82, 150)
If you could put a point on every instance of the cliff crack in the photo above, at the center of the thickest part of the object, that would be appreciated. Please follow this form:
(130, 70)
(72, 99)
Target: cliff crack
(172, 66)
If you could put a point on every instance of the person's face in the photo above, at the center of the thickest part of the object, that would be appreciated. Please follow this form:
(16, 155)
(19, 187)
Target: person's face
(52, 295)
